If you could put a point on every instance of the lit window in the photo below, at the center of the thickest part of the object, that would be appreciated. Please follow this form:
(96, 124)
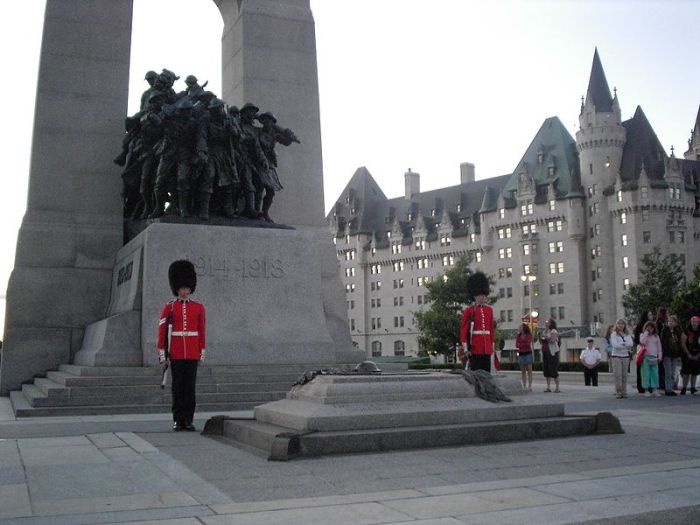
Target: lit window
(472, 237)
(509, 272)
(478, 256)
(624, 239)
(526, 249)
(502, 213)
(552, 205)
(552, 267)
(623, 218)
(625, 262)
(619, 195)
(560, 267)
(626, 283)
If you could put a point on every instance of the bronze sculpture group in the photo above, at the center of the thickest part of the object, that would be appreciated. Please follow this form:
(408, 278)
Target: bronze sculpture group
(190, 154)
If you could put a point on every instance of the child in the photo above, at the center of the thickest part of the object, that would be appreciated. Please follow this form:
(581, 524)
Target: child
(590, 358)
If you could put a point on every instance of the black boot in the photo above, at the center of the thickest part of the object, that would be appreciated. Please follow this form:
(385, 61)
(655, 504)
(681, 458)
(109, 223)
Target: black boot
(249, 210)
(203, 205)
(228, 203)
(183, 203)
(267, 202)
(159, 208)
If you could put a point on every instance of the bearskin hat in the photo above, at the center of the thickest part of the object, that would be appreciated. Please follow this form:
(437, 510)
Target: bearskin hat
(181, 274)
(478, 284)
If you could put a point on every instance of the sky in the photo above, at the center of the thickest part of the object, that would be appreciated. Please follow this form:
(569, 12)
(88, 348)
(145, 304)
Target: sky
(405, 83)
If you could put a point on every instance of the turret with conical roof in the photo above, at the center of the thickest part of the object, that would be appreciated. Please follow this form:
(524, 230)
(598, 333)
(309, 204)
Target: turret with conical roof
(601, 137)
(693, 152)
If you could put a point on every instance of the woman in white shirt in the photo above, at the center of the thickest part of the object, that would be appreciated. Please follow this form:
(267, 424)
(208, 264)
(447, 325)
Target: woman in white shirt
(621, 343)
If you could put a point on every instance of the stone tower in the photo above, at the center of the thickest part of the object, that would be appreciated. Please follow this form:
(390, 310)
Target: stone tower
(600, 142)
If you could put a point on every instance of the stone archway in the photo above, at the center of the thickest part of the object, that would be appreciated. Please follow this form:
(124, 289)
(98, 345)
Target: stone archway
(72, 228)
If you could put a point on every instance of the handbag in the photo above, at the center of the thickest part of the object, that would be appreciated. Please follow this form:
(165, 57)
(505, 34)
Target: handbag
(641, 352)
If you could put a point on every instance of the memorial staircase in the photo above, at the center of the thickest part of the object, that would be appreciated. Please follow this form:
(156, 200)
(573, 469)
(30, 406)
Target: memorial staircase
(74, 390)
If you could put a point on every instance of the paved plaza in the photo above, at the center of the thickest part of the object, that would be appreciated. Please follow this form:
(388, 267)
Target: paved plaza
(132, 469)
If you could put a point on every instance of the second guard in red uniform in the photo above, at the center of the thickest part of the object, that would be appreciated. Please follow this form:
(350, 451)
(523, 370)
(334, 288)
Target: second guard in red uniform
(185, 342)
(478, 328)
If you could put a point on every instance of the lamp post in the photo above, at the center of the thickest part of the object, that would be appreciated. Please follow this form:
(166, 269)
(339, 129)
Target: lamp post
(529, 279)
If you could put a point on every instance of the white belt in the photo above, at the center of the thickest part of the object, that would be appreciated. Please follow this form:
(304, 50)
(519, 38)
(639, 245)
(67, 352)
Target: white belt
(185, 333)
(481, 332)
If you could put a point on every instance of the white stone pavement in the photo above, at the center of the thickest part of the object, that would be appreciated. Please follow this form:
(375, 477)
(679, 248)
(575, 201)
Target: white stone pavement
(131, 469)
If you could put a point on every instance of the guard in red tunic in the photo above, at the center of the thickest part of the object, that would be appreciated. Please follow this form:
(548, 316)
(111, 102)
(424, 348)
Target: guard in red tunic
(182, 330)
(478, 329)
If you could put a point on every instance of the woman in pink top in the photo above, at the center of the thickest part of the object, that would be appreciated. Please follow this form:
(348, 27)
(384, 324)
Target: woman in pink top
(523, 342)
(652, 356)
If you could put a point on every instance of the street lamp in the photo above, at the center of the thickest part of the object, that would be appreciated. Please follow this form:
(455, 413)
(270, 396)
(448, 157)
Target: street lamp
(529, 279)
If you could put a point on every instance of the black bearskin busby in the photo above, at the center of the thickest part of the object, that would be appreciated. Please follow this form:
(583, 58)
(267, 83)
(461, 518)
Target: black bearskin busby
(477, 284)
(181, 274)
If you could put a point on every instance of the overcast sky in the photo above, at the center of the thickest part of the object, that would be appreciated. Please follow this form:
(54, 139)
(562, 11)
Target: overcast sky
(406, 83)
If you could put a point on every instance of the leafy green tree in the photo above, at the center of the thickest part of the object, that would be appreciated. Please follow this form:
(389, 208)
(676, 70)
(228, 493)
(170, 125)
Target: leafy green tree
(660, 280)
(440, 323)
(687, 301)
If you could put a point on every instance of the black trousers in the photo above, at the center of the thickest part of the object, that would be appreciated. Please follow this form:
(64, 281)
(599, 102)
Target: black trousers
(590, 376)
(480, 362)
(184, 383)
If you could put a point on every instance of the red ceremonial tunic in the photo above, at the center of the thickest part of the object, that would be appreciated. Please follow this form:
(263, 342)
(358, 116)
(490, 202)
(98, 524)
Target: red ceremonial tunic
(188, 333)
(478, 337)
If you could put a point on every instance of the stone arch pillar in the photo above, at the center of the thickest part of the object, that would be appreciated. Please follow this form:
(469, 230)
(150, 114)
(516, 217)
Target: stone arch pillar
(269, 58)
(72, 228)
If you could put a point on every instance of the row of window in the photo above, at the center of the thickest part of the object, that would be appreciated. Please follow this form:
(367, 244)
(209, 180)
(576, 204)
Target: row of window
(399, 348)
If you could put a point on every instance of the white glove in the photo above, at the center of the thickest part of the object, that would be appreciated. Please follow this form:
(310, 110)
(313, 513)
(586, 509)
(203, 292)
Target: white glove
(203, 355)
(161, 357)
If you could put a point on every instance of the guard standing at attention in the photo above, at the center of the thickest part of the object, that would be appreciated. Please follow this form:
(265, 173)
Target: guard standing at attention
(187, 322)
(478, 329)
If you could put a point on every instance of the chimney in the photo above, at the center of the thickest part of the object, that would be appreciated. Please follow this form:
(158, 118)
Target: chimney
(466, 171)
(412, 183)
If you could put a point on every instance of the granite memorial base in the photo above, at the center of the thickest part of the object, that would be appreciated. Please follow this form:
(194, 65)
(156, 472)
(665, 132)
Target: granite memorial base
(339, 414)
(272, 296)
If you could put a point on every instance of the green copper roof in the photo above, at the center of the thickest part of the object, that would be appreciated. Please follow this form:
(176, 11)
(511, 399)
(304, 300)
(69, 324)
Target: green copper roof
(553, 146)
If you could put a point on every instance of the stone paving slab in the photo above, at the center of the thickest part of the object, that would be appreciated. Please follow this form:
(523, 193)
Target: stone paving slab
(14, 501)
(351, 514)
(88, 505)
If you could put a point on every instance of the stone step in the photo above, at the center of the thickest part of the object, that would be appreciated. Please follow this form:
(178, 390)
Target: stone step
(255, 382)
(79, 391)
(37, 398)
(22, 408)
(286, 370)
(52, 389)
(282, 443)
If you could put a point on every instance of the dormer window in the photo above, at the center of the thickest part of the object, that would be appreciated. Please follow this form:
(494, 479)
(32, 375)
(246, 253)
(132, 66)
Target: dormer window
(540, 157)
(459, 208)
(433, 212)
(550, 171)
(410, 216)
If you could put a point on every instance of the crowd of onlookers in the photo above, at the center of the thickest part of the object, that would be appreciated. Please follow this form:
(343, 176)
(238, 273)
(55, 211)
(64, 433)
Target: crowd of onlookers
(665, 354)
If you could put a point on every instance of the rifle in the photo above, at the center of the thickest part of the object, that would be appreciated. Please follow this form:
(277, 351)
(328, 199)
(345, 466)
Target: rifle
(169, 324)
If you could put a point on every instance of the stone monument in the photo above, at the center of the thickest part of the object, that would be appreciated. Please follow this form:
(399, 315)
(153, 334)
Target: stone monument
(78, 295)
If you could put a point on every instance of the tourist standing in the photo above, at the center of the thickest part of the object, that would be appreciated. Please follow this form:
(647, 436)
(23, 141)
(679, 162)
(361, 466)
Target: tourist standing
(523, 342)
(590, 359)
(690, 342)
(478, 328)
(607, 347)
(184, 344)
(661, 325)
(648, 316)
(621, 343)
(653, 354)
(549, 339)
(671, 347)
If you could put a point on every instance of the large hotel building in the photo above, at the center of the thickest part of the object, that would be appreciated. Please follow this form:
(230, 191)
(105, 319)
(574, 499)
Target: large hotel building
(562, 235)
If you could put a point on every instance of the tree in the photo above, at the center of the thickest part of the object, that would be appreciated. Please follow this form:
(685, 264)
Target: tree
(687, 302)
(440, 323)
(660, 280)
